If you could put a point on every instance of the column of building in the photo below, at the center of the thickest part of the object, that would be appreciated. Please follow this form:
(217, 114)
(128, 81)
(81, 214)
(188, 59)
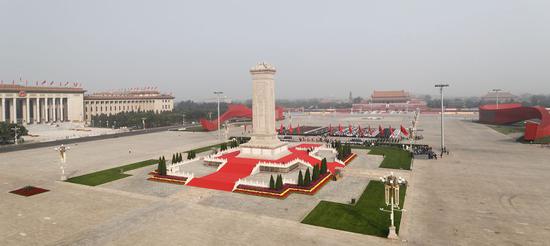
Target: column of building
(47, 109)
(14, 111)
(62, 109)
(27, 111)
(3, 109)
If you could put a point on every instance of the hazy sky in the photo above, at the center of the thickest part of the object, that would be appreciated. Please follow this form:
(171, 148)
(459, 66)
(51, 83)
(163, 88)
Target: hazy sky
(320, 48)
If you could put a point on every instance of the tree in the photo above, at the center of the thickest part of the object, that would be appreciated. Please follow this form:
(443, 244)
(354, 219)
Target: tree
(315, 175)
(174, 159)
(300, 179)
(324, 166)
(271, 183)
(307, 178)
(190, 155)
(279, 182)
(7, 134)
(162, 166)
(223, 146)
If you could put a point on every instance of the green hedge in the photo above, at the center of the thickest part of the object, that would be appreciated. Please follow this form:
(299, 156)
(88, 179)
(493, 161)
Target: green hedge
(108, 175)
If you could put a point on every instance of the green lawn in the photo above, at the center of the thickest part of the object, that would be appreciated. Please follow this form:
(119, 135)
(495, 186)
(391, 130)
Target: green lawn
(365, 217)
(543, 140)
(507, 129)
(393, 157)
(108, 175)
(205, 148)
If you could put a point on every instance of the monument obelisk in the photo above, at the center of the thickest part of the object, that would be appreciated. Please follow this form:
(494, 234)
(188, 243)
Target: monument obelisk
(264, 143)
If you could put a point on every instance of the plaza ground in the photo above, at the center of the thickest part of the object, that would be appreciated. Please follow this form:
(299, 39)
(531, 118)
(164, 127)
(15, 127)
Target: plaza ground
(490, 190)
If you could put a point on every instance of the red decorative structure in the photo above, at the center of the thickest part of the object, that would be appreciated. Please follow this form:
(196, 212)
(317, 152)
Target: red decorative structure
(235, 111)
(514, 112)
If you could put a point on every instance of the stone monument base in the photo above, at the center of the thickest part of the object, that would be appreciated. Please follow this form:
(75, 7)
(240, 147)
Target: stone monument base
(264, 151)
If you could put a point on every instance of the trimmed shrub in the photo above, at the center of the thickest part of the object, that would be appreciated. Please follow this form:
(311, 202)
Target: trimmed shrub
(300, 179)
(307, 178)
(279, 182)
(315, 175)
(323, 166)
(271, 183)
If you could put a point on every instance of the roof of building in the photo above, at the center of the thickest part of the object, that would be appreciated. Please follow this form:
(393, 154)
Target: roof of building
(130, 95)
(501, 94)
(39, 89)
(389, 94)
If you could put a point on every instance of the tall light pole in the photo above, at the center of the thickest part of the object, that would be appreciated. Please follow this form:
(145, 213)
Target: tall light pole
(218, 94)
(496, 91)
(441, 86)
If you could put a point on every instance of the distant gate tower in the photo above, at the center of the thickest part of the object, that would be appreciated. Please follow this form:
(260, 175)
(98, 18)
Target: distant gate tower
(264, 142)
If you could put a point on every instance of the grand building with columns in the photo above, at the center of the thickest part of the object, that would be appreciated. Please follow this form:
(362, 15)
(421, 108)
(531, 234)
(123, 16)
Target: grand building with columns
(40, 104)
(126, 101)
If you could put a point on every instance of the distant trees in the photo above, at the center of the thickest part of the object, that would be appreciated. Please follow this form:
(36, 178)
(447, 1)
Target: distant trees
(135, 119)
(223, 146)
(191, 155)
(7, 134)
(176, 158)
(343, 150)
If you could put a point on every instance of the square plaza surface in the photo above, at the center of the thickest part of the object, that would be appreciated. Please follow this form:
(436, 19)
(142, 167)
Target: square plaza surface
(488, 191)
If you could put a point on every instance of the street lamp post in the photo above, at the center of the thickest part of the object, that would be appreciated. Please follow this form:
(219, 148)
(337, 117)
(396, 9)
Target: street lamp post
(143, 122)
(15, 129)
(218, 94)
(63, 159)
(441, 86)
(391, 191)
(496, 91)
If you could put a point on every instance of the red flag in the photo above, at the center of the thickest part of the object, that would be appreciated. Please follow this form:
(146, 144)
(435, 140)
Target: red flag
(370, 130)
(340, 129)
(404, 131)
(360, 131)
(290, 130)
(350, 129)
(298, 131)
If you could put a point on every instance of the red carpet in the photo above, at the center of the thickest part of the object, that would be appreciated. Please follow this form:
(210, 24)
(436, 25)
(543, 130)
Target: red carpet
(238, 168)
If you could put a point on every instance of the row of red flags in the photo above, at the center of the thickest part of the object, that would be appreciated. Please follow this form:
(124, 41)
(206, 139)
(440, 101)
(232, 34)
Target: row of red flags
(46, 83)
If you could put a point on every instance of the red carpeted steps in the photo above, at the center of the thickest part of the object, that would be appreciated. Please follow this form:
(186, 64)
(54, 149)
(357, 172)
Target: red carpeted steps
(238, 168)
